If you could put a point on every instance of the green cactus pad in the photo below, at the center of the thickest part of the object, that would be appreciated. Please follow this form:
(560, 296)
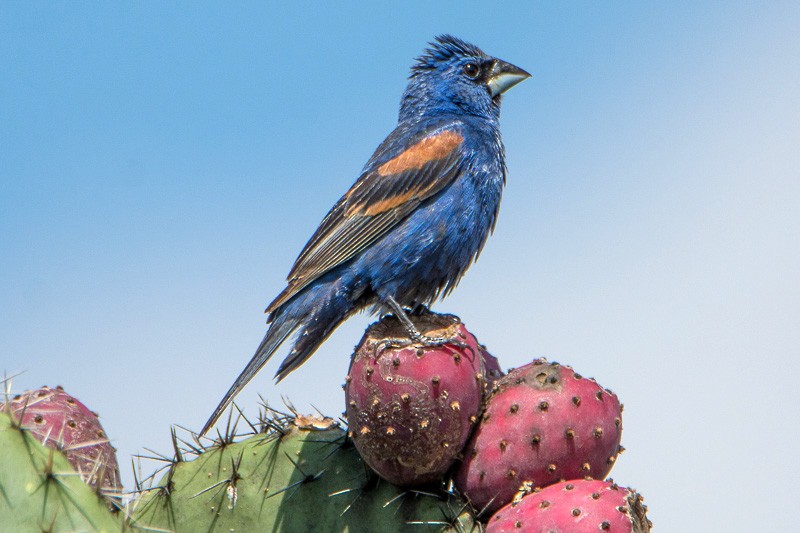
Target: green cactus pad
(290, 480)
(40, 491)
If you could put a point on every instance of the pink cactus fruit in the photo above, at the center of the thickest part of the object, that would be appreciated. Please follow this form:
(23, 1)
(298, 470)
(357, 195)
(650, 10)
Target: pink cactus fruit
(60, 421)
(579, 506)
(543, 424)
(411, 408)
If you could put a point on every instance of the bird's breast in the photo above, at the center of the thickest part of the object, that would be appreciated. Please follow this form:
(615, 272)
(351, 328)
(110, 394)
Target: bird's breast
(429, 251)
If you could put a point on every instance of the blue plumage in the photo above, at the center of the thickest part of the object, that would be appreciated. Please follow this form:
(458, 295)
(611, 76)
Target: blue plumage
(416, 218)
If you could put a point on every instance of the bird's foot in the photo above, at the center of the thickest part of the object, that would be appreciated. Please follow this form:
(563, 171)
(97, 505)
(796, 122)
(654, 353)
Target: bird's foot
(392, 342)
(416, 338)
(434, 342)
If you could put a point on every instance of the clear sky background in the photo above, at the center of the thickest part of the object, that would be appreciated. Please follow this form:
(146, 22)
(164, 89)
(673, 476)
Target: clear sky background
(161, 166)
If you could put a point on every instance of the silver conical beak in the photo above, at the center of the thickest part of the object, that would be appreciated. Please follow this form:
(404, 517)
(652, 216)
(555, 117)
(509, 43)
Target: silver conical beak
(504, 76)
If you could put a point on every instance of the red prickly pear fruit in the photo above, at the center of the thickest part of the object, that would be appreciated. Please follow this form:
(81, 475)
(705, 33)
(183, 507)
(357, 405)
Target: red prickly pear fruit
(579, 506)
(411, 408)
(60, 421)
(542, 424)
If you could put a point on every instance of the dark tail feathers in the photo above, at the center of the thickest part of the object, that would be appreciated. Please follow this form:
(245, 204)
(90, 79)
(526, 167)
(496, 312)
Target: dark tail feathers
(314, 323)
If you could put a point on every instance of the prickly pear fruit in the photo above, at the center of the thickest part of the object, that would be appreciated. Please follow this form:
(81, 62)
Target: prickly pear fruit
(39, 490)
(60, 421)
(303, 475)
(411, 408)
(543, 424)
(492, 367)
(580, 506)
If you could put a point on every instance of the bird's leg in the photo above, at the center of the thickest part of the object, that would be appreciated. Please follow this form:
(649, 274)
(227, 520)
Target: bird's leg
(414, 335)
(413, 332)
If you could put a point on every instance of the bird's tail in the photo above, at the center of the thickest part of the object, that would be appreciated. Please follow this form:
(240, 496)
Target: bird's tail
(314, 314)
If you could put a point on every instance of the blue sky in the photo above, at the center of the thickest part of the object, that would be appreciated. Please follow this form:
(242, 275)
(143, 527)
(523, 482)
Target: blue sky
(161, 165)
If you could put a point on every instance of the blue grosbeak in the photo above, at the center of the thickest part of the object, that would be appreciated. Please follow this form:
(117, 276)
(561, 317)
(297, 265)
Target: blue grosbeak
(416, 218)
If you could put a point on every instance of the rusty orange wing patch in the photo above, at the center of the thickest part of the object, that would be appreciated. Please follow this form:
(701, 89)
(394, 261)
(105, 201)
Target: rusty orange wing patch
(414, 173)
(382, 197)
(429, 149)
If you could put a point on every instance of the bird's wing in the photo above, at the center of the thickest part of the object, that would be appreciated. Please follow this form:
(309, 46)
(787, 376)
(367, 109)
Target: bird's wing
(397, 179)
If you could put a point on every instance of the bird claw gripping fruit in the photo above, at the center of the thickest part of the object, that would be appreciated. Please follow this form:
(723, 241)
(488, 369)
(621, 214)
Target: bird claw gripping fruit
(579, 506)
(542, 424)
(411, 407)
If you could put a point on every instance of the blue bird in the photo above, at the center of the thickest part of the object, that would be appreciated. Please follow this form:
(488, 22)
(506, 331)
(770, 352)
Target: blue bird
(416, 218)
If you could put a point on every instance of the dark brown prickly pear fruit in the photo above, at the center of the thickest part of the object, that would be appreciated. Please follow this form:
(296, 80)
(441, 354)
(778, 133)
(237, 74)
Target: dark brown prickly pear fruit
(579, 506)
(492, 368)
(60, 421)
(543, 424)
(411, 408)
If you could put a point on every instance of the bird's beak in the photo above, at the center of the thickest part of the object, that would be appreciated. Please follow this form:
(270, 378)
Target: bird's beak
(504, 76)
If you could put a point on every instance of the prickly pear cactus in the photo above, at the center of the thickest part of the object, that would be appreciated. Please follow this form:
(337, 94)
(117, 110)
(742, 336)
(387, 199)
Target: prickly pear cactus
(40, 491)
(294, 478)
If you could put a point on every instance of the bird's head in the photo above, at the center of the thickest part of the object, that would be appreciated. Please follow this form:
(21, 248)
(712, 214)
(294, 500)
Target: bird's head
(453, 76)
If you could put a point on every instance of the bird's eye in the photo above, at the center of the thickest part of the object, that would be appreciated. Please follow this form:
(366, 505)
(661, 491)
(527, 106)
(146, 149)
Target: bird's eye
(472, 70)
